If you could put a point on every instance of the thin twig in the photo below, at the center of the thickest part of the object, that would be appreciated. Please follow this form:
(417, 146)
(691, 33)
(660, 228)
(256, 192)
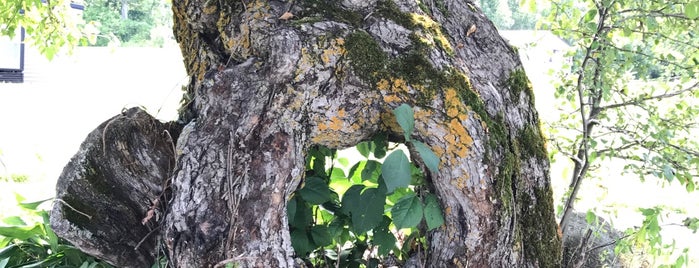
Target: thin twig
(145, 237)
(71, 207)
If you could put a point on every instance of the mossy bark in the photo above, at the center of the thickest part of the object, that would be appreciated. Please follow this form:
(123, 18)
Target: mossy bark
(264, 89)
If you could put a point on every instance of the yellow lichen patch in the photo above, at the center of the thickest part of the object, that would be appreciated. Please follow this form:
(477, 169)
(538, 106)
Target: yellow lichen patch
(458, 140)
(336, 123)
(389, 121)
(435, 32)
(438, 150)
(392, 98)
(305, 64)
(464, 140)
(392, 89)
(455, 108)
(460, 182)
(382, 85)
(210, 9)
(332, 53)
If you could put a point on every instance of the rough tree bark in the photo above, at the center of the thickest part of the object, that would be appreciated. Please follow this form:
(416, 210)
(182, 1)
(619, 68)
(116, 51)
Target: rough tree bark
(265, 86)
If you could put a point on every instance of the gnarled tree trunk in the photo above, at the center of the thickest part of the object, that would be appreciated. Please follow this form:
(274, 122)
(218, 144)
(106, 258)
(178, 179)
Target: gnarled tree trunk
(269, 79)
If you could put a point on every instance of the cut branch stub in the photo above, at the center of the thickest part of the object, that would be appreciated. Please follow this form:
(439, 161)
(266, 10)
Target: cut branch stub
(106, 193)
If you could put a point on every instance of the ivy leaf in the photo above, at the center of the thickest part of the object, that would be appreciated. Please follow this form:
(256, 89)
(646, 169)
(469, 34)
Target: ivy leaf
(406, 119)
(428, 156)
(407, 213)
(396, 171)
(315, 191)
(433, 213)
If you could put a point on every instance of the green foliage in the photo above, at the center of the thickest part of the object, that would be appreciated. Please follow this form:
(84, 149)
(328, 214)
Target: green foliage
(28, 241)
(49, 26)
(337, 219)
(147, 22)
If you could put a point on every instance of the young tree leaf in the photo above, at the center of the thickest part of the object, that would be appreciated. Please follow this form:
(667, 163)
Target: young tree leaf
(407, 213)
(428, 156)
(396, 171)
(433, 213)
(315, 191)
(406, 119)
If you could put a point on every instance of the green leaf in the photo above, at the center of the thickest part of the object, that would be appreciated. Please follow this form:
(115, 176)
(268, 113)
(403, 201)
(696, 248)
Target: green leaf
(396, 171)
(380, 145)
(315, 191)
(320, 235)
(20, 232)
(406, 119)
(691, 10)
(428, 156)
(590, 217)
(300, 242)
(384, 238)
(366, 208)
(590, 15)
(433, 213)
(351, 198)
(14, 221)
(407, 213)
(371, 171)
(33, 205)
(365, 148)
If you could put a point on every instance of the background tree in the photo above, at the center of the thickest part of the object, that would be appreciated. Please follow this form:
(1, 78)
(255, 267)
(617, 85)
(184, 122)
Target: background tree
(629, 97)
(271, 79)
(509, 14)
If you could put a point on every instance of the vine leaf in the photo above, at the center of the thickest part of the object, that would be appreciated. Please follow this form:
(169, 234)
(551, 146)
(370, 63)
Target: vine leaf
(406, 119)
(433, 213)
(396, 171)
(428, 156)
(407, 213)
